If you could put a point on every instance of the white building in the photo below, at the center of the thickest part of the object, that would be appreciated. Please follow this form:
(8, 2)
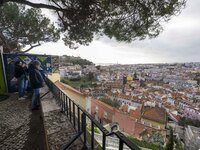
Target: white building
(192, 138)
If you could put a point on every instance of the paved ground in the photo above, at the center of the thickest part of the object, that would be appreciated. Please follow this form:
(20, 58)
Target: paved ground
(20, 128)
(23, 129)
(58, 128)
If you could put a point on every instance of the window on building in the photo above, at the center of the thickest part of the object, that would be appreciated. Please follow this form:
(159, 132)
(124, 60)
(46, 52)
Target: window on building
(97, 109)
(105, 115)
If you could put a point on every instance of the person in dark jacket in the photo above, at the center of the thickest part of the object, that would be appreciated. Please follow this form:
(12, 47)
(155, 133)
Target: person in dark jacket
(20, 75)
(36, 81)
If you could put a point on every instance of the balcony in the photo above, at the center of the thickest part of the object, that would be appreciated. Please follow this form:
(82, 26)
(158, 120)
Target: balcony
(60, 124)
(80, 119)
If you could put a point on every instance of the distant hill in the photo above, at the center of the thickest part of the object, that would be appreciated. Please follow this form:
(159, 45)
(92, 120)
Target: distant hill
(71, 60)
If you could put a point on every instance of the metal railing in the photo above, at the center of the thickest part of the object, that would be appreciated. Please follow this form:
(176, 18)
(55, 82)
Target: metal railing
(78, 116)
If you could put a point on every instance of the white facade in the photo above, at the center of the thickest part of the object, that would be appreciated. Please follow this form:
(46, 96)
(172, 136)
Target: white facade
(192, 138)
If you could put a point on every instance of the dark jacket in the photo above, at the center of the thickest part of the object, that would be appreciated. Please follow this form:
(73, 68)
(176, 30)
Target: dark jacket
(35, 77)
(19, 71)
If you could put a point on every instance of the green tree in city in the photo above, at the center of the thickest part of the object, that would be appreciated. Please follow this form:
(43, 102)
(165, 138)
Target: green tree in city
(20, 27)
(135, 75)
(74, 60)
(188, 121)
(170, 143)
(98, 67)
(91, 76)
(124, 20)
(110, 102)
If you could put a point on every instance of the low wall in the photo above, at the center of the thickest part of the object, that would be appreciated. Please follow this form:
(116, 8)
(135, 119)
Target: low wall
(58, 128)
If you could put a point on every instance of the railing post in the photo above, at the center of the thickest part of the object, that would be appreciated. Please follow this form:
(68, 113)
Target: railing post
(70, 113)
(74, 117)
(78, 112)
(67, 101)
(62, 101)
(92, 135)
(83, 120)
(120, 144)
(104, 142)
(60, 98)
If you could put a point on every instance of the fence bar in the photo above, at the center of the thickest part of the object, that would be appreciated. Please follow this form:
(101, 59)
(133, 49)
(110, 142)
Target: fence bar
(92, 136)
(70, 112)
(64, 104)
(121, 144)
(62, 101)
(67, 101)
(78, 111)
(60, 96)
(104, 142)
(83, 116)
(74, 117)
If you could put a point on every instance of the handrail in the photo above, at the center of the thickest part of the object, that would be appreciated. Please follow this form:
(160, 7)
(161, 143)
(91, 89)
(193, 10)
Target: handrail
(77, 116)
(72, 140)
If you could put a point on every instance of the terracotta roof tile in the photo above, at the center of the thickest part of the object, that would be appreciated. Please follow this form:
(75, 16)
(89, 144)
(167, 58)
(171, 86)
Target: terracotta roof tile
(135, 113)
(139, 128)
(124, 108)
(154, 113)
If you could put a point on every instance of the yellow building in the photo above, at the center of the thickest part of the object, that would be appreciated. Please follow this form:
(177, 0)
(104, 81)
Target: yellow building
(78, 97)
(129, 78)
(54, 77)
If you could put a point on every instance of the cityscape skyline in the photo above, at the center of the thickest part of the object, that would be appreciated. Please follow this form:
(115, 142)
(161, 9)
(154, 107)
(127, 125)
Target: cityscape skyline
(109, 95)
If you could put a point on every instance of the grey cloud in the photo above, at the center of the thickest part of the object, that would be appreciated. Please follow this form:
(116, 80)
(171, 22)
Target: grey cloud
(179, 42)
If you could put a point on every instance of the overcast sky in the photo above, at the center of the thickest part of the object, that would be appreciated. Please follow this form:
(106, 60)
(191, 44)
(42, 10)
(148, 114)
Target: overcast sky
(179, 42)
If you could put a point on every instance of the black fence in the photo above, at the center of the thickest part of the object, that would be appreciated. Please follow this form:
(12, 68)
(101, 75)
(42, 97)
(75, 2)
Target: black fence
(79, 118)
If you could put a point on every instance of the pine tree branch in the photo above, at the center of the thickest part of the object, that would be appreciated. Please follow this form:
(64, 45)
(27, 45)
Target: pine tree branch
(32, 46)
(4, 42)
(37, 5)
